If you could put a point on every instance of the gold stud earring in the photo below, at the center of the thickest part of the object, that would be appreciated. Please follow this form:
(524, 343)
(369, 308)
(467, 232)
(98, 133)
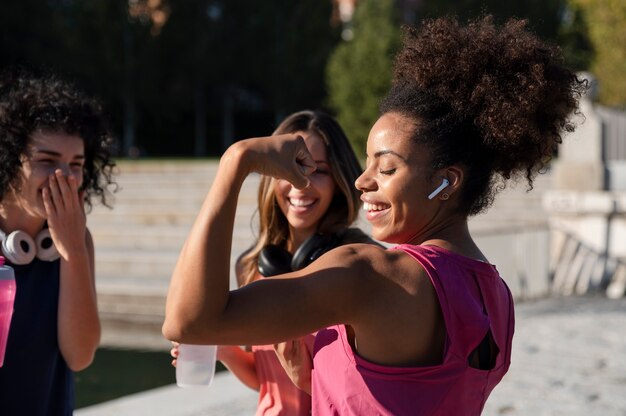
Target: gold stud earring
(445, 196)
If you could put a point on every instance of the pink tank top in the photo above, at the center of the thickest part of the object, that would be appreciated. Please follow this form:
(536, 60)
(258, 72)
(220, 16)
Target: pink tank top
(473, 300)
(277, 393)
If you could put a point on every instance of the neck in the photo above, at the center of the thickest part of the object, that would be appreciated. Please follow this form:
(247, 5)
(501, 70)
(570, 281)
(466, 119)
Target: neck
(13, 219)
(296, 238)
(456, 238)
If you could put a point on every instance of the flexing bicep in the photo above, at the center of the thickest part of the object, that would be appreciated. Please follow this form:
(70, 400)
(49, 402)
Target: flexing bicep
(329, 291)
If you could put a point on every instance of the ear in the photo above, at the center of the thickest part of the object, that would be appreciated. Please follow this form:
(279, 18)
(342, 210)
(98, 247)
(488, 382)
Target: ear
(456, 176)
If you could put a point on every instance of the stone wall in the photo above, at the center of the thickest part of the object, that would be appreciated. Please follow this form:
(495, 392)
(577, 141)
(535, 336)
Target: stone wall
(587, 208)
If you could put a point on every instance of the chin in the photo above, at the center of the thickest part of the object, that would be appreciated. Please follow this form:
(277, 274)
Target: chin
(388, 237)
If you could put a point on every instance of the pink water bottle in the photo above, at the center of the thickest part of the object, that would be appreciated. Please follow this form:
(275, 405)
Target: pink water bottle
(7, 296)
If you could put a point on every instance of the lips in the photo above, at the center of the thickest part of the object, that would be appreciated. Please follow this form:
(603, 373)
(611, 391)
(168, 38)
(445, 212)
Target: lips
(301, 202)
(375, 210)
(375, 207)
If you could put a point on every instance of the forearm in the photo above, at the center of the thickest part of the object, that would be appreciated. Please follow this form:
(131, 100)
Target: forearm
(296, 359)
(241, 363)
(78, 321)
(198, 292)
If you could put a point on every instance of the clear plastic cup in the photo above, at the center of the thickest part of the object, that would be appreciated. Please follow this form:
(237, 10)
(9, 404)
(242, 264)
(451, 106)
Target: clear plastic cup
(7, 296)
(195, 365)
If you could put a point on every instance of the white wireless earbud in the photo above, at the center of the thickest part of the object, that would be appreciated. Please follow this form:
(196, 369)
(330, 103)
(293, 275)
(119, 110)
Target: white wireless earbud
(440, 188)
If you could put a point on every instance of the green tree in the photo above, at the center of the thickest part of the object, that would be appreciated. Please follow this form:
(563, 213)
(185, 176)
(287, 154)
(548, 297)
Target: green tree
(543, 16)
(359, 71)
(607, 31)
(574, 38)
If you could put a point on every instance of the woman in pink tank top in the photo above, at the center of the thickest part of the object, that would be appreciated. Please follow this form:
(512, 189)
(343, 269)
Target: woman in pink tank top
(294, 225)
(423, 328)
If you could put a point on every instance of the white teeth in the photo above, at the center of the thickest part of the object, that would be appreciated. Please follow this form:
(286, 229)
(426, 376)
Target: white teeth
(301, 202)
(373, 207)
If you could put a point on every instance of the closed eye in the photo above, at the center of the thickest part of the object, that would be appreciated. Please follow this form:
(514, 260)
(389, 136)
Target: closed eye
(387, 172)
(322, 171)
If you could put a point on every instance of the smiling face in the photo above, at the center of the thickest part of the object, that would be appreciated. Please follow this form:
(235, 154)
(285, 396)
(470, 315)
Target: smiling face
(304, 208)
(396, 183)
(45, 153)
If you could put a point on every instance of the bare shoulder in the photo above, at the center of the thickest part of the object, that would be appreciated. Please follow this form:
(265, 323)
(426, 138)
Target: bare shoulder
(383, 265)
(356, 253)
(368, 261)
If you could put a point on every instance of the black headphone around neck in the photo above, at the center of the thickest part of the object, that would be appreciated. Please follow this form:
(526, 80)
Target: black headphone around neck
(19, 248)
(275, 260)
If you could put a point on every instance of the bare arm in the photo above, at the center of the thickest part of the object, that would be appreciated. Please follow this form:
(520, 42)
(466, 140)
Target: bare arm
(296, 357)
(78, 321)
(239, 362)
(200, 309)
(388, 301)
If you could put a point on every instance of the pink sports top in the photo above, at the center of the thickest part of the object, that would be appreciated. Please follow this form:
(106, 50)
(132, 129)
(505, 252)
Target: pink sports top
(473, 300)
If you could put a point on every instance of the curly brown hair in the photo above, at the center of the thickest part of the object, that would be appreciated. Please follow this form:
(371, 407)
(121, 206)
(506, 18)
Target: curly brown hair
(493, 99)
(31, 102)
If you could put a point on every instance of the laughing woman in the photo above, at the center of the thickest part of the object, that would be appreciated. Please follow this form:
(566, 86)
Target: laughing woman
(426, 326)
(54, 159)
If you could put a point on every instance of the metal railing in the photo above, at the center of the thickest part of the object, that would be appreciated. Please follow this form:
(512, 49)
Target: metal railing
(613, 133)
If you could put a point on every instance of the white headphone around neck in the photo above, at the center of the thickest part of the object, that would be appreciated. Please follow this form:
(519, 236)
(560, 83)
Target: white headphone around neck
(20, 248)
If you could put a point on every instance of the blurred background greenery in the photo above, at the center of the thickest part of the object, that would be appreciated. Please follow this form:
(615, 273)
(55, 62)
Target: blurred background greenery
(120, 372)
(187, 78)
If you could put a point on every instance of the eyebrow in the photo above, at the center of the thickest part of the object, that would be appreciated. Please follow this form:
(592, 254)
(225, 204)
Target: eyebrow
(56, 154)
(387, 152)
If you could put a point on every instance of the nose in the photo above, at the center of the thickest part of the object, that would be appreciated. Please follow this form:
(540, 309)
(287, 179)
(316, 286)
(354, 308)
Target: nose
(64, 168)
(364, 182)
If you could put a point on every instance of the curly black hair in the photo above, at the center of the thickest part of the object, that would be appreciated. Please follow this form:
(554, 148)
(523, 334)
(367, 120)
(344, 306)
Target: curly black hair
(494, 99)
(29, 103)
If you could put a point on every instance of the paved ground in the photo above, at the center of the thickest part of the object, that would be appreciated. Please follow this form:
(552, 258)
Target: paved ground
(569, 358)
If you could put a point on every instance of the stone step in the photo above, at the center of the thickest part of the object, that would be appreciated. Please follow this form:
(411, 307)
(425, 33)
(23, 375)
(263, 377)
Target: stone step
(148, 209)
(148, 303)
(177, 187)
(164, 237)
(156, 216)
(142, 264)
(143, 167)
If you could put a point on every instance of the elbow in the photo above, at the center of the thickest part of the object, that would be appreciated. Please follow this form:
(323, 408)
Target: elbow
(81, 362)
(179, 331)
(171, 331)
(78, 359)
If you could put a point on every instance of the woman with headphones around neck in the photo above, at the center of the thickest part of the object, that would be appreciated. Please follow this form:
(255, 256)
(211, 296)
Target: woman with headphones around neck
(295, 227)
(424, 327)
(53, 160)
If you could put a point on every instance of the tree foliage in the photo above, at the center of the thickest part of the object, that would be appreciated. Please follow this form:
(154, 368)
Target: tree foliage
(607, 32)
(574, 38)
(360, 70)
(543, 15)
(168, 90)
